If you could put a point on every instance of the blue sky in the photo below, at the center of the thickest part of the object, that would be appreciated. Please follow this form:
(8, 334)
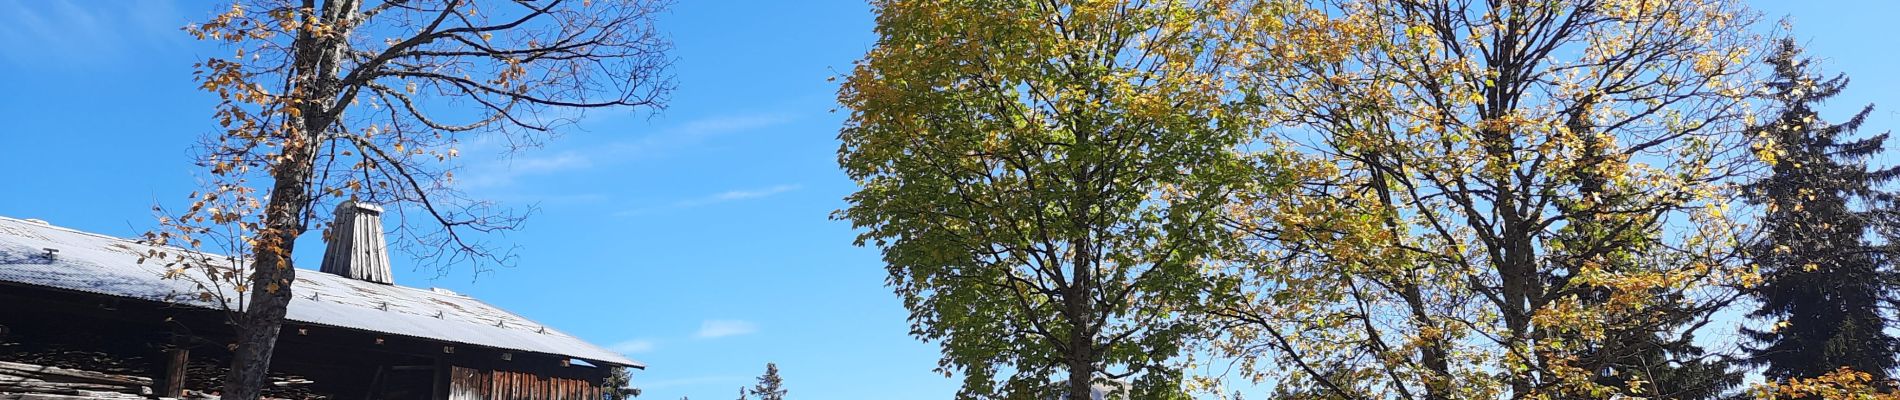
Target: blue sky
(696, 240)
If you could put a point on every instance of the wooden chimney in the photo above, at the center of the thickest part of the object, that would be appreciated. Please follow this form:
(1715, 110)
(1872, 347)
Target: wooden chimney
(356, 248)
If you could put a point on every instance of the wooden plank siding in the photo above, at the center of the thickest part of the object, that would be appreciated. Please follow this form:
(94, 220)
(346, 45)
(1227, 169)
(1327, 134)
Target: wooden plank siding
(474, 384)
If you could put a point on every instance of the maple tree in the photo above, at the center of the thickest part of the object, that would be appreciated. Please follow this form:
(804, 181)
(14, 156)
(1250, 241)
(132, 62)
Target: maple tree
(1503, 199)
(1841, 384)
(326, 101)
(1044, 179)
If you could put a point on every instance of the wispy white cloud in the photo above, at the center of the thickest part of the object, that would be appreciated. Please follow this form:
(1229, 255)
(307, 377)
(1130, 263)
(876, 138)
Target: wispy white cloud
(67, 33)
(635, 346)
(718, 328)
(508, 169)
(716, 198)
(735, 195)
(691, 133)
(728, 124)
(547, 199)
(557, 162)
(693, 381)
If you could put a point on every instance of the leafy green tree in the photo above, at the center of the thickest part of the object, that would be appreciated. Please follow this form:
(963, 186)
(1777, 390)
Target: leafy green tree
(1826, 286)
(1503, 171)
(1045, 178)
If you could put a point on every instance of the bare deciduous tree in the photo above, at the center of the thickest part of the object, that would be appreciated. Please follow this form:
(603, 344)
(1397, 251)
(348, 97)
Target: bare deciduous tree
(353, 100)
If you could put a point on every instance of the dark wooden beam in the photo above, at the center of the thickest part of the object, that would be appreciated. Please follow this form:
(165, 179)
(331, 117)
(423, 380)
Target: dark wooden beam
(442, 376)
(375, 384)
(177, 356)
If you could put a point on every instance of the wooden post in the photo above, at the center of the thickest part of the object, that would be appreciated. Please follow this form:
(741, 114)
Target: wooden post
(442, 378)
(176, 357)
(375, 384)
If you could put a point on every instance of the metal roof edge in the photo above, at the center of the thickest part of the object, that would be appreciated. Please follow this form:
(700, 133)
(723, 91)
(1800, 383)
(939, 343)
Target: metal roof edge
(425, 291)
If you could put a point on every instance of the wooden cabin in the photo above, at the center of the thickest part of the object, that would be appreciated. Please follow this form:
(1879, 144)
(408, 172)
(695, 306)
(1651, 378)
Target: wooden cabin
(81, 317)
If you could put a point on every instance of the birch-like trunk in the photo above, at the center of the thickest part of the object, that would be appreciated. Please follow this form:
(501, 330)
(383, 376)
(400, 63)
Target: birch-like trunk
(314, 84)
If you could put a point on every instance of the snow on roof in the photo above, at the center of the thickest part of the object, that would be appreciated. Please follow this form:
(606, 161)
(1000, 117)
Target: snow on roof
(36, 253)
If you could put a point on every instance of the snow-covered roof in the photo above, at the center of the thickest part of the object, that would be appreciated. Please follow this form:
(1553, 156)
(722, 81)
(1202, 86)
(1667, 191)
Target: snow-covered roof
(106, 265)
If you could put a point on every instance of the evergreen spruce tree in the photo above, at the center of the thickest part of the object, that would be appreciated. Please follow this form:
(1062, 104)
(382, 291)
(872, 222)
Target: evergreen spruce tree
(1656, 360)
(618, 384)
(770, 387)
(1826, 272)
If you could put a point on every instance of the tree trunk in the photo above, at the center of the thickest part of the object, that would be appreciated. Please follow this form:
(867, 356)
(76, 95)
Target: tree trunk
(271, 276)
(257, 333)
(1081, 363)
(315, 85)
(1081, 357)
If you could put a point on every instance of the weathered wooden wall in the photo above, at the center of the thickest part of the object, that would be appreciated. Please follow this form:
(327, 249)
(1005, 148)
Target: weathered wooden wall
(475, 384)
(28, 381)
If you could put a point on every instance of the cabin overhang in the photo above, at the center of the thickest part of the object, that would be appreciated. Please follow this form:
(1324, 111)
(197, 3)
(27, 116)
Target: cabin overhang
(180, 352)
